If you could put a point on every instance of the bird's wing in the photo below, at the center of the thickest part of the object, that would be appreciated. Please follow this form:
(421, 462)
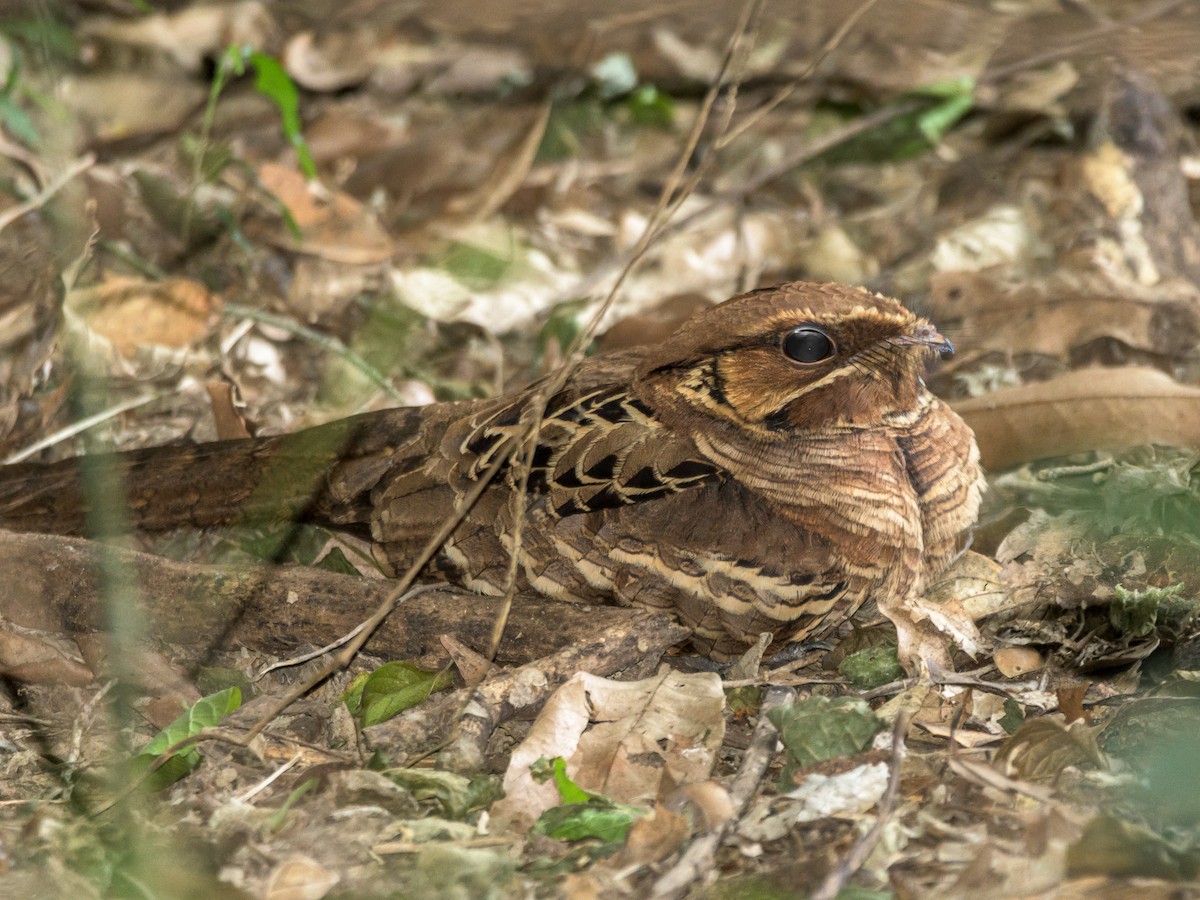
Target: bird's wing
(597, 450)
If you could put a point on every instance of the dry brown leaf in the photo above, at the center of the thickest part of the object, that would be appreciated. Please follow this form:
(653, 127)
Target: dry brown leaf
(192, 35)
(1042, 748)
(123, 105)
(1088, 409)
(471, 666)
(925, 628)
(653, 838)
(132, 314)
(619, 738)
(27, 658)
(709, 802)
(228, 418)
(332, 61)
(1070, 701)
(333, 227)
(974, 582)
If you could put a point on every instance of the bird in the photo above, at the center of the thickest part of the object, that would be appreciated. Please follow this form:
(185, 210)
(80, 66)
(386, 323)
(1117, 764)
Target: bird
(774, 465)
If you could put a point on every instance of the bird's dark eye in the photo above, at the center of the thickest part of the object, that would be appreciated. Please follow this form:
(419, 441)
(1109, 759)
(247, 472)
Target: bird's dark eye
(808, 345)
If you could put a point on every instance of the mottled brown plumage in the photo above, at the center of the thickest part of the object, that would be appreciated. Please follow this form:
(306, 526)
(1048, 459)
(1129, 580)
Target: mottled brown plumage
(773, 466)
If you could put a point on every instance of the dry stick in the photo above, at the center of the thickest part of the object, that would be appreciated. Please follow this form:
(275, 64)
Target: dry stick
(1082, 41)
(471, 740)
(504, 452)
(42, 197)
(835, 40)
(663, 210)
(832, 139)
(348, 652)
(741, 193)
(333, 645)
(700, 858)
(858, 854)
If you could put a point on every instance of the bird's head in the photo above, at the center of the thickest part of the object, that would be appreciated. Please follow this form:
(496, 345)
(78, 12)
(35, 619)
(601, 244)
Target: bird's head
(793, 358)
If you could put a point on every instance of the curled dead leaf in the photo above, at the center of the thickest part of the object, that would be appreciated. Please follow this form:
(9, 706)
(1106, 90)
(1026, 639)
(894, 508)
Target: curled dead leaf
(654, 837)
(333, 227)
(708, 799)
(26, 658)
(300, 878)
(1042, 748)
(1014, 661)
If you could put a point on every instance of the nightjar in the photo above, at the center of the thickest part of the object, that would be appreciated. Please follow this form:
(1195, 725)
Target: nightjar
(774, 465)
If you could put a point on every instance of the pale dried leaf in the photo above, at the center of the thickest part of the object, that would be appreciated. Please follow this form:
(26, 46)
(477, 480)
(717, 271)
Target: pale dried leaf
(619, 738)
(974, 581)
(192, 35)
(300, 878)
(847, 791)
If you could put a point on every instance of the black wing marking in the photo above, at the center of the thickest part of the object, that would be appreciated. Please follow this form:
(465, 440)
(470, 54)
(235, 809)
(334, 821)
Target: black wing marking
(602, 450)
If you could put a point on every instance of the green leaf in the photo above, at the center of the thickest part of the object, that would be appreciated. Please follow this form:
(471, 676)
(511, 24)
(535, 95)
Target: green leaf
(457, 794)
(608, 821)
(1135, 613)
(272, 81)
(476, 267)
(818, 728)
(1013, 716)
(568, 789)
(649, 106)
(583, 814)
(911, 133)
(391, 689)
(872, 666)
(204, 713)
(14, 118)
(569, 120)
(352, 696)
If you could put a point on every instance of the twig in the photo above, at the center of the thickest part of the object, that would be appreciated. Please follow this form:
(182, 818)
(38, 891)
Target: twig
(675, 190)
(342, 659)
(324, 341)
(700, 858)
(787, 90)
(76, 427)
(741, 193)
(858, 854)
(42, 197)
(505, 693)
(333, 645)
(1081, 41)
(257, 789)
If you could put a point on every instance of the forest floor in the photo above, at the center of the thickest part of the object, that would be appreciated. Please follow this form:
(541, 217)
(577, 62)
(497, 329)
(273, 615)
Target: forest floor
(257, 216)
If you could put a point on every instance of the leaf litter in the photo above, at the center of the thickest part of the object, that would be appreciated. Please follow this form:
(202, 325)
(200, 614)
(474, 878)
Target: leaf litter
(464, 197)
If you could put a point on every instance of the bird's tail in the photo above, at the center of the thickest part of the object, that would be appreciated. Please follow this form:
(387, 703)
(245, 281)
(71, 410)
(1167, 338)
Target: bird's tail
(322, 474)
